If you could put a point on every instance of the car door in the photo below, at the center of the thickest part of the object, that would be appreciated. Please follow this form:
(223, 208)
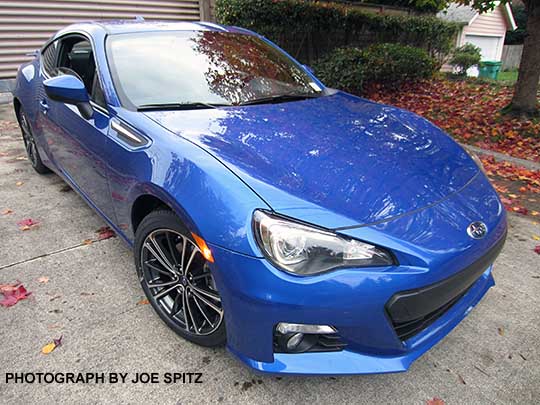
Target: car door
(78, 146)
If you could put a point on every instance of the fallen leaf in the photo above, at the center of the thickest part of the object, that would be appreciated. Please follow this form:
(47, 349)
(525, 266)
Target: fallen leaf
(27, 223)
(435, 401)
(87, 242)
(58, 342)
(13, 294)
(536, 237)
(537, 249)
(7, 211)
(501, 331)
(143, 302)
(49, 347)
(520, 210)
(105, 232)
(8, 287)
(19, 183)
(535, 213)
(43, 280)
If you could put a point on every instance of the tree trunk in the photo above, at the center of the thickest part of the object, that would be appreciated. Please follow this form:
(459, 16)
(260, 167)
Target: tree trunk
(525, 94)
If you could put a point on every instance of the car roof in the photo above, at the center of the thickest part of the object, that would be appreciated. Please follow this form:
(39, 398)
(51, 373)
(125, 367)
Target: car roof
(112, 27)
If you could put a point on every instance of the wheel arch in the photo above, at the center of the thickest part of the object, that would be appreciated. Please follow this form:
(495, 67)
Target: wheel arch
(149, 197)
(144, 205)
(226, 226)
(16, 106)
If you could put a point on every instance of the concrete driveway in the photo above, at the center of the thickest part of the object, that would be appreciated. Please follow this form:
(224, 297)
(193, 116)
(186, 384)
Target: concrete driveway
(92, 296)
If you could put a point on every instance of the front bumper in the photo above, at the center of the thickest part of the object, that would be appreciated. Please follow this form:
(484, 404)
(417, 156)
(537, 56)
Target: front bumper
(256, 296)
(350, 362)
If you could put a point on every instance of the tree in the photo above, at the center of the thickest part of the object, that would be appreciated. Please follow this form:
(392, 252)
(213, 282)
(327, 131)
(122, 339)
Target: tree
(525, 96)
(525, 93)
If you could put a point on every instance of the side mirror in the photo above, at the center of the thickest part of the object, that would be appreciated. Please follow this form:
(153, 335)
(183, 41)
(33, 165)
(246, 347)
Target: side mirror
(70, 90)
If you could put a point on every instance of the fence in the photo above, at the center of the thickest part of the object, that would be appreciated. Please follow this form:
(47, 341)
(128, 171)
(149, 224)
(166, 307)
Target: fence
(511, 56)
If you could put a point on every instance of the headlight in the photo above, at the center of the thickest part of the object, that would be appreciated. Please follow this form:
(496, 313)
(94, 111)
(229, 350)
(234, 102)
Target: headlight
(306, 250)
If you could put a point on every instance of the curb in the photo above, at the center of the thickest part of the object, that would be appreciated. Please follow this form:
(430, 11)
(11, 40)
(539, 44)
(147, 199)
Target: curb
(501, 156)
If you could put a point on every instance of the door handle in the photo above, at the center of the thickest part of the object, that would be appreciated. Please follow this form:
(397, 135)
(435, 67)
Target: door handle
(44, 106)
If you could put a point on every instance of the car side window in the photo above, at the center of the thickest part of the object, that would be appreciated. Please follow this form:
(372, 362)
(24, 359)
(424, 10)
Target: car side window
(76, 58)
(48, 58)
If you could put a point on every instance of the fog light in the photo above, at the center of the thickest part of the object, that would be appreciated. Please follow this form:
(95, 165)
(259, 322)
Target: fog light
(294, 341)
(299, 328)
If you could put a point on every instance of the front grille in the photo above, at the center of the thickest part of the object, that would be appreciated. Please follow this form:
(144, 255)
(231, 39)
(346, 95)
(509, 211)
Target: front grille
(412, 311)
(406, 330)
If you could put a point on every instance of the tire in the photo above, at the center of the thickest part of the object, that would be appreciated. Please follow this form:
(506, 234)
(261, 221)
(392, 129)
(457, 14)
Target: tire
(30, 143)
(170, 279)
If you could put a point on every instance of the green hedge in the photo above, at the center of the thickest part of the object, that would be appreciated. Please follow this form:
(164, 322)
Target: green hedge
(350, 69)
(308, 30)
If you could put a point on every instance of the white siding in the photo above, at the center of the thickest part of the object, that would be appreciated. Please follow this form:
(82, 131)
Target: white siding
(492, 23)
(25, 25)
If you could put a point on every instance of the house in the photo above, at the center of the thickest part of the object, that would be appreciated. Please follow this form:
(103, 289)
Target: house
(486, 30)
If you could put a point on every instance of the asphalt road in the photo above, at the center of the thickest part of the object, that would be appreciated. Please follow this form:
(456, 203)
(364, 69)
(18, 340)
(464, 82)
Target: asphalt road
(92, 295)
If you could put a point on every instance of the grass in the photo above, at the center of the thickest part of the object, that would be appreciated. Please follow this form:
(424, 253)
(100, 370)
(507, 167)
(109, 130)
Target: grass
(508, 76)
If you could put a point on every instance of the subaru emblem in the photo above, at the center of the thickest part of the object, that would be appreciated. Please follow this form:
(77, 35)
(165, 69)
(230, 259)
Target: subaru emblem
(477, 230)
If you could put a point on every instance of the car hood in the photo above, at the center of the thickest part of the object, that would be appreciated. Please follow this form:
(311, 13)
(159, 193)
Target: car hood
(336, 160)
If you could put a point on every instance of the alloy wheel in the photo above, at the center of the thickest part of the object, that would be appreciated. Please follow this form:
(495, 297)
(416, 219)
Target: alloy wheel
(179, 280)
(29, 143)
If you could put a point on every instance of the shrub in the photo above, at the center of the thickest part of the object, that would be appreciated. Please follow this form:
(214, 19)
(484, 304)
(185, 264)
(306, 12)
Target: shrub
(465, 57)
(394, 63)
(350, 69)
(309, 30)
(342, 69)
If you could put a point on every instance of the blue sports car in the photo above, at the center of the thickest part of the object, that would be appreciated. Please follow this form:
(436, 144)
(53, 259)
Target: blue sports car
(309, 230)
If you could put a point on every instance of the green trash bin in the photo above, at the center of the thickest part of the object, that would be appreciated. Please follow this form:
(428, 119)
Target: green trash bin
(489, 69)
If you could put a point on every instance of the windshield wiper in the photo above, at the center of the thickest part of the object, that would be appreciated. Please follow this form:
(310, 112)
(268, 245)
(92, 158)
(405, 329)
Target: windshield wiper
(179, 106)
(281, 97)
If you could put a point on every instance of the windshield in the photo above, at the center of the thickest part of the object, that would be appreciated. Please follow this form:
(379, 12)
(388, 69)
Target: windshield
(204, 67)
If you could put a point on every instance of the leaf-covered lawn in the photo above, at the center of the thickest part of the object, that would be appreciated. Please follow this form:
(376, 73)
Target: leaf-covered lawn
(469, 111)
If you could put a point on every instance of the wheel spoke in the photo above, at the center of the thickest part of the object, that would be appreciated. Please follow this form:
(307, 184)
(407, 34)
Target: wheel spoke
(201, 276)
(193, 253)
(161, 251)
(167, 273)
(176, 305)
(156, 251)
(188, 309)
(207, 302)
(184, 245)
(202, 311)
(171, 248)
(164, 292)
(158, 285)
(186, 320)
(206, 293)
